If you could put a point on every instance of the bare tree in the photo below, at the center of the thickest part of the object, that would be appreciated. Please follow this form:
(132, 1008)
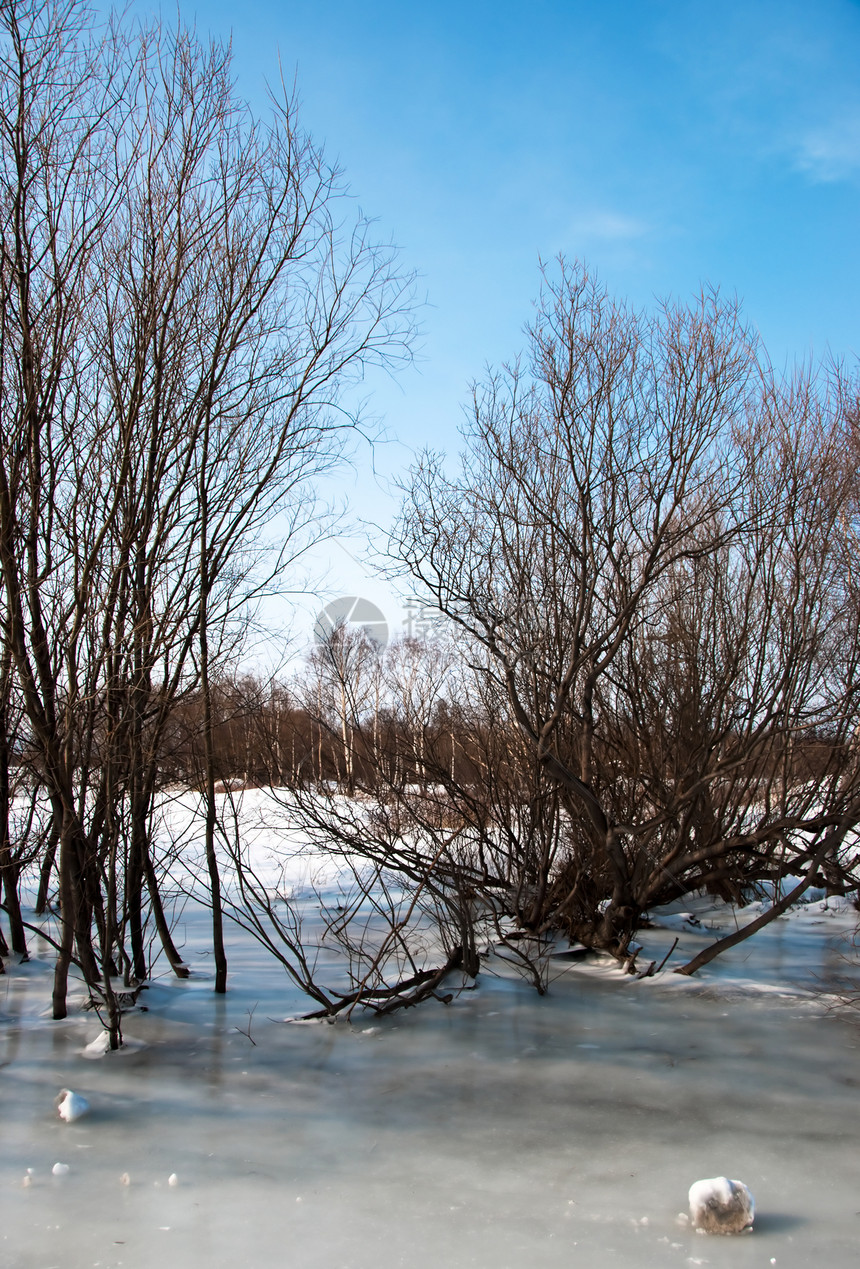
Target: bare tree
(186, 295)
(340, 688)
(647, 561)
(643, 555)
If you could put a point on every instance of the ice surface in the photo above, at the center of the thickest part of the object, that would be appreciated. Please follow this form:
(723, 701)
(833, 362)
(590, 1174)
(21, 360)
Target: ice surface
(502, 1131)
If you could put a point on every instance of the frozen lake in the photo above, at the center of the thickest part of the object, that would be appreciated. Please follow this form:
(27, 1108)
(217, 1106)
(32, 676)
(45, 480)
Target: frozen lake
(502, 1131)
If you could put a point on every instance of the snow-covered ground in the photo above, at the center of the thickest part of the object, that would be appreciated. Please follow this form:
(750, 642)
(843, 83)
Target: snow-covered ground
(503, 1130)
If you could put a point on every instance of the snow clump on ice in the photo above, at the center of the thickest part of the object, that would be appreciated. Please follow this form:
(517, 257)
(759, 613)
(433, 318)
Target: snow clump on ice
(721, 1206)
(71, 1106)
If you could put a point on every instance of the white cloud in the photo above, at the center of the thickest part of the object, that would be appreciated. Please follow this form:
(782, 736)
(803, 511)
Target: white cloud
(831, 152)
(606, 227)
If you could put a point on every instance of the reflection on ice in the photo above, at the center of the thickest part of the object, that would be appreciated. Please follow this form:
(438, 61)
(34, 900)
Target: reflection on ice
(500, 1131)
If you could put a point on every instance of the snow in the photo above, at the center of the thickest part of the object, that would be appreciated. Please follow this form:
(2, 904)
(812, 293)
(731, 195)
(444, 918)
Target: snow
(72, 1106)
(505, 1129)
(721, 1206)
(99, 1047)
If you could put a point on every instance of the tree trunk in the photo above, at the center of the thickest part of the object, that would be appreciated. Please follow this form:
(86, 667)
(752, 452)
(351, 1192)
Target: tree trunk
(176, 963)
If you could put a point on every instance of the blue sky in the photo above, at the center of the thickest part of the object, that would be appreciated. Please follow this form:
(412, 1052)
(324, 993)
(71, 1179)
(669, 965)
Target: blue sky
(668, 144)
